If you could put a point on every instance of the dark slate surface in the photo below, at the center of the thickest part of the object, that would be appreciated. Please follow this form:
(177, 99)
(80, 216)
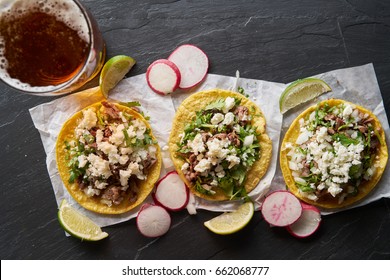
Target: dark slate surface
(270, 40)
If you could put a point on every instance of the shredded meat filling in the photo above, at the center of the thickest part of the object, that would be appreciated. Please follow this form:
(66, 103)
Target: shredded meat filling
(192, 176)
(148, 162)
(111, 110)
(234, 139)
(114, 194)
(242, 114)
(339, 123)
(220, 136)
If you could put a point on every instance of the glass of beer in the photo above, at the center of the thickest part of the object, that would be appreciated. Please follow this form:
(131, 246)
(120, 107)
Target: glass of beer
(48, 47)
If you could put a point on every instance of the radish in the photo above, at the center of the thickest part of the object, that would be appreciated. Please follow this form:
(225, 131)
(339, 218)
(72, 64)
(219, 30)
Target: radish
(281, 208)
(163, 76)
(193, 64)
(171, 192)
(153, 220)
(308, 223)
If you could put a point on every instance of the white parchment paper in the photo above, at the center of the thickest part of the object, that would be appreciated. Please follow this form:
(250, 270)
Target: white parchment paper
(48, 118)
(357, 85)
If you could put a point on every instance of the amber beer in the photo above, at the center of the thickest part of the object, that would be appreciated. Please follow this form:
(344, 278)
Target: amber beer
(48, 46)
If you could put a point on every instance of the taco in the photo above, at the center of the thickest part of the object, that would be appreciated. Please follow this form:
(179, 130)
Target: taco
(108, 158)
(333, 154)
(219, 145)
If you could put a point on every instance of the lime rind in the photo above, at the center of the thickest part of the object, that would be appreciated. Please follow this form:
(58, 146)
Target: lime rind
(114, 70)
(231, 222)
(302, 91)
(86, 228)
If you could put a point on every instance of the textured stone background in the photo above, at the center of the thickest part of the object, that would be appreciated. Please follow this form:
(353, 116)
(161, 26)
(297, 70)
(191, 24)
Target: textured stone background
(280, 41)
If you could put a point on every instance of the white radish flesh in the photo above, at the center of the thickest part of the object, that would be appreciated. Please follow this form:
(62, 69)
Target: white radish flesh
(153, 220)
(281, 208)
(163, 76)
(193, 64)
(171, 192)
(308, 223)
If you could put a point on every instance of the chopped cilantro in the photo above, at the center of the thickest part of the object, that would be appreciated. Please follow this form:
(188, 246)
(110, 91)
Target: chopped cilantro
(199, 188)
(218, 104)
(378, 136)
(100, 118)
(242, 91)
(304, 187)
(89, 138)
(227, 184)
(344, 139)
(127, 138)
(131, 104)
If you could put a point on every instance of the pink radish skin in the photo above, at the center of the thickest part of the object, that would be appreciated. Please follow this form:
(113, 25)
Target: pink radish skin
(171, 192)
(193, 64)
(281, 208)
(153, 220)
(163, 76)
(308, 223)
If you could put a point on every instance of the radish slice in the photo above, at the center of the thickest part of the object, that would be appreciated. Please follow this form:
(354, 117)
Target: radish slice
(163, 76)
(193, 64)
(308, 223)
(281, 208)
(171, 192)
(153, 220)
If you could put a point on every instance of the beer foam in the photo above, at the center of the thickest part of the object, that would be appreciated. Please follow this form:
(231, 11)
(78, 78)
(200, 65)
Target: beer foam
(65, 11)
(25, 87)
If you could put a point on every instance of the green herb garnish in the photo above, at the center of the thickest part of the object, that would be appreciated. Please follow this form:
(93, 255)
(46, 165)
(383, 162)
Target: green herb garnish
(344, 139)
(131, 104)
(218, 104)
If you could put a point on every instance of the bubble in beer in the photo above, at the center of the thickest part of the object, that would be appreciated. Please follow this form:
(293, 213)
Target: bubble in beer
(68, 13)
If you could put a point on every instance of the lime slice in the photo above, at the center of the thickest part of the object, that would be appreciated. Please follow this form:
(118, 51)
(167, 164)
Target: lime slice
(78, 225)
(113, 71)
(231, 222)
(301, 91)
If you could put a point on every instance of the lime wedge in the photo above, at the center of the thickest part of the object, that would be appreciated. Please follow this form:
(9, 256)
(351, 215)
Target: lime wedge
(231, 222)
(113, 71)
(78, 225)
(301, 91)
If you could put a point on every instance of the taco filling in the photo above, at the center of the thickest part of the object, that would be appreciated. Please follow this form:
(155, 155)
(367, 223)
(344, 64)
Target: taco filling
(335, 152)
(219, 146)
(109, 152)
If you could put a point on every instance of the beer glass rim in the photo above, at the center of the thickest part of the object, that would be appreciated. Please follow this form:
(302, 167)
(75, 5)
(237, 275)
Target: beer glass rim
(61, 88)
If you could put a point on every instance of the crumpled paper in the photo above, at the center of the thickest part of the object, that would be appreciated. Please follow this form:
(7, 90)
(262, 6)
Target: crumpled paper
(357, 85)
(48, 118)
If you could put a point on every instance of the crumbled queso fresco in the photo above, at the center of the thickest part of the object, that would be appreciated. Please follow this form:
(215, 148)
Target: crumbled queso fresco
(334, 152)
(219, 146)
(111, 148)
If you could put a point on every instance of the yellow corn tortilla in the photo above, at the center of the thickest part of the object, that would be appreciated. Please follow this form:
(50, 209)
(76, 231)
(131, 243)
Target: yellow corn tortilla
(187, 111)
(67, 133)
(328, 201)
